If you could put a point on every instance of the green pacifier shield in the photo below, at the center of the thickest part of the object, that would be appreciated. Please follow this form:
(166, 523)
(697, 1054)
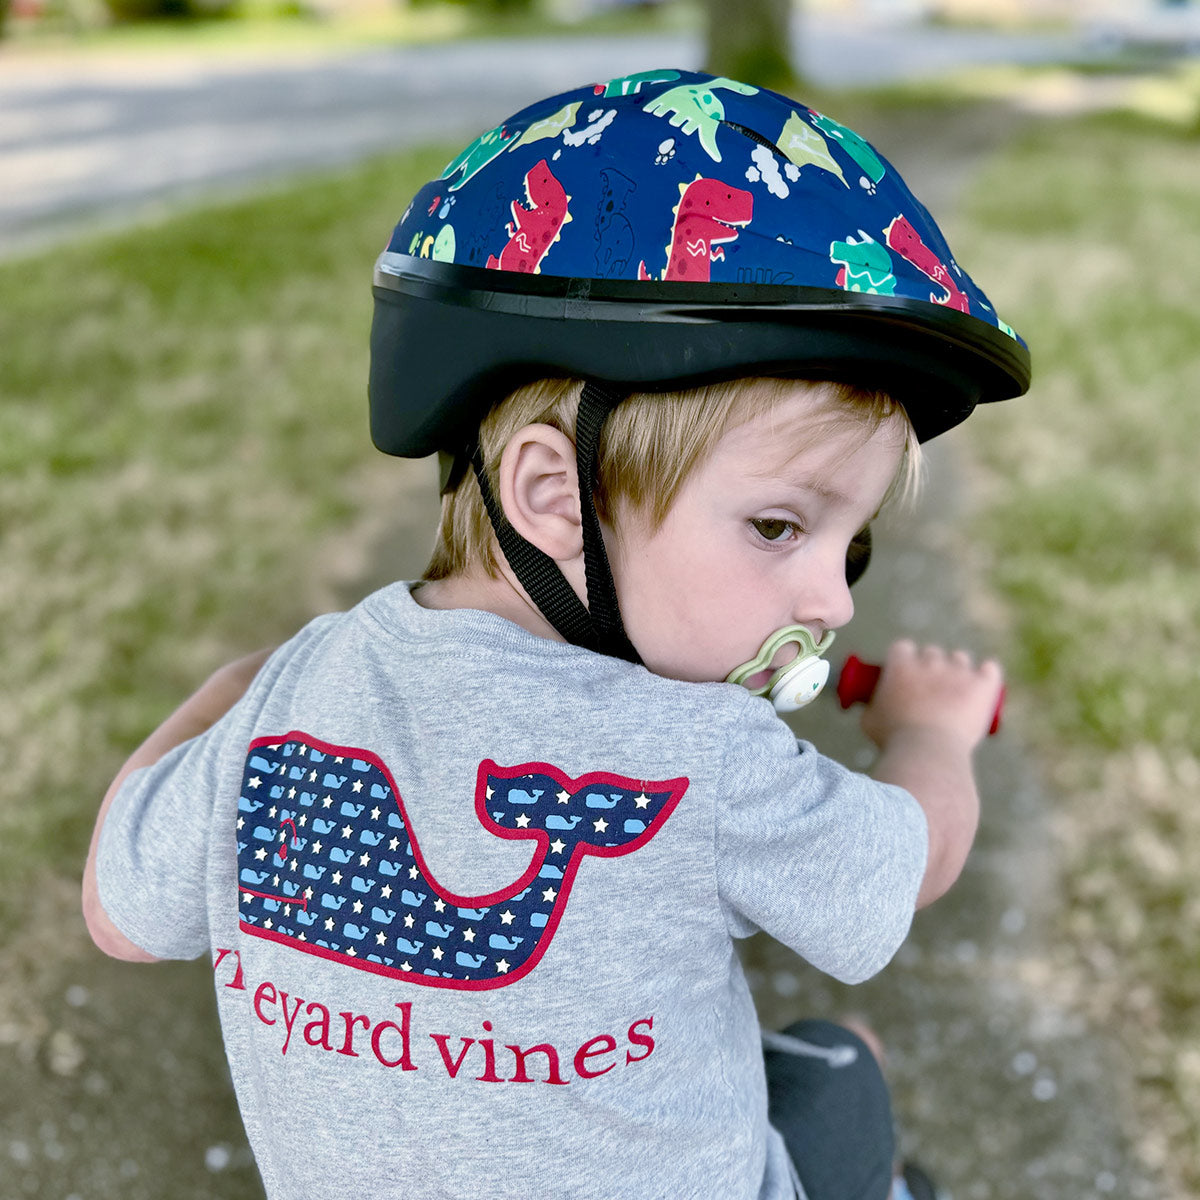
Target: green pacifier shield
(798, 681)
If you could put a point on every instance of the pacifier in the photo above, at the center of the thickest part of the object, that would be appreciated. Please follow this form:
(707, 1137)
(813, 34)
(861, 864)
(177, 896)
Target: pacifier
(799, 681)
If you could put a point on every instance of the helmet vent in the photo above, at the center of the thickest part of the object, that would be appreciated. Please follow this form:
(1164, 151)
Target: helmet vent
(755, 136)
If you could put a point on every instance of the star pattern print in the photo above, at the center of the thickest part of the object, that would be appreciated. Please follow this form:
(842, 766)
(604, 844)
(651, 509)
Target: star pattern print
(328, 862)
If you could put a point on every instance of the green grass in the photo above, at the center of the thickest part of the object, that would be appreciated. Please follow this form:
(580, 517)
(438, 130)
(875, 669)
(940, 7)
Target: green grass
(183, 430)
(1090, 534)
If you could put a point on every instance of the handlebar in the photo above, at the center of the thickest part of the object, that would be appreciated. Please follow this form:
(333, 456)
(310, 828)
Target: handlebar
(856, 685)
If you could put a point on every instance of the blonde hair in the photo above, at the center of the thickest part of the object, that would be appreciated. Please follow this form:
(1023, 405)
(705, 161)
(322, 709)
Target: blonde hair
(650, 444)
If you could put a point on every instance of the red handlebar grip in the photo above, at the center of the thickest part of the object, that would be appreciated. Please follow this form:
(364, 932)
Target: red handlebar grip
(856, 685)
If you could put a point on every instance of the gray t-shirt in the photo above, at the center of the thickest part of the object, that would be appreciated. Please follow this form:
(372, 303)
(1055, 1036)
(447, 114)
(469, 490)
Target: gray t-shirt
(471, 899)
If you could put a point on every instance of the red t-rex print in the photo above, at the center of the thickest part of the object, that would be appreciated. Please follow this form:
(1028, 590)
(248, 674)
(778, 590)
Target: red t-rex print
(707, 216)
(906, 241)
(536, 224)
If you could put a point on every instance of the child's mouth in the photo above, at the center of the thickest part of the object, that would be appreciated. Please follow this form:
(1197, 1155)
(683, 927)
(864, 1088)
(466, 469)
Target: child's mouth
(788, 668)
(761, 679)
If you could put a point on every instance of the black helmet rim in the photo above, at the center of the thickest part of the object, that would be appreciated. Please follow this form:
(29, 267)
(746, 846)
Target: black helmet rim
(472, 334)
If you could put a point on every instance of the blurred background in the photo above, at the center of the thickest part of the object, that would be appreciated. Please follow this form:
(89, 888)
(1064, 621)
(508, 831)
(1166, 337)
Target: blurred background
(192, 195)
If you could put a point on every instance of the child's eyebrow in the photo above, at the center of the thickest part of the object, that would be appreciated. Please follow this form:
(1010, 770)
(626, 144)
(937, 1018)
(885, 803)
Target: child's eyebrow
(818, 487)
(826, 491)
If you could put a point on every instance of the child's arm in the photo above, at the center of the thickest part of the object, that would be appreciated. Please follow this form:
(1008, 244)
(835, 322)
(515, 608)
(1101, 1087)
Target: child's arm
(215, 697)
(929, 712)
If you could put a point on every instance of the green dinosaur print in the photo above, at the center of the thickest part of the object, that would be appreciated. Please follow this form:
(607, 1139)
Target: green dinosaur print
(443, 244)
(858, 150)
(803, 145)
(694, 109)
(548, 127)
(625, 85)
(866, 266)
(476, 156)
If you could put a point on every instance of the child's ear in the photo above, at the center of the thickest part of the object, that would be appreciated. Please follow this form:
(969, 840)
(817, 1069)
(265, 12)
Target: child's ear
(539, 490)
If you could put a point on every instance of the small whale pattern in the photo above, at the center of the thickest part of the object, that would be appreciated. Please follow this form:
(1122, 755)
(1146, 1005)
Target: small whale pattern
(378, 906)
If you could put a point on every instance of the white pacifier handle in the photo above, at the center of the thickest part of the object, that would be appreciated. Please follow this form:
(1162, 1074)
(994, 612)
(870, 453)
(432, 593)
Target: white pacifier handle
(798, 682)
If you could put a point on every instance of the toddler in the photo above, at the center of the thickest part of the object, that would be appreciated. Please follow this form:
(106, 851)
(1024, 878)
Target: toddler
(471, 860)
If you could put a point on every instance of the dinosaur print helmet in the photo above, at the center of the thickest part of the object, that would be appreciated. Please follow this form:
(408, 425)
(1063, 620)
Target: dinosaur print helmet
(657, 231)
(666, 229)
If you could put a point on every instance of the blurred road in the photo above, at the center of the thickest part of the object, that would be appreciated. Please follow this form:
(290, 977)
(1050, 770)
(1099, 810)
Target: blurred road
(89, 141)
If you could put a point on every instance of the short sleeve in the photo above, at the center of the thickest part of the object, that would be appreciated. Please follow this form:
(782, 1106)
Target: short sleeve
(824, 859)
(154, 852)
(152, 861)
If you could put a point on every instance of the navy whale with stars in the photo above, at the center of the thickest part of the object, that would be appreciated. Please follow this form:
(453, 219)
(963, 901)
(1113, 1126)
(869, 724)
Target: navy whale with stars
(328, 862)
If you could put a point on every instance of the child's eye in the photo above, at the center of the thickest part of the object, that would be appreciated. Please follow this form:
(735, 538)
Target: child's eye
(774, 529)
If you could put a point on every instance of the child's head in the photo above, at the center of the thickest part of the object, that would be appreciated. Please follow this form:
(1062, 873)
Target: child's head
(649, 447)
(757, 534)
(658, 236)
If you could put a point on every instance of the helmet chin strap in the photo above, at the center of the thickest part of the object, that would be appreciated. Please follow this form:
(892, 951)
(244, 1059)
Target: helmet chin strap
(596, 626)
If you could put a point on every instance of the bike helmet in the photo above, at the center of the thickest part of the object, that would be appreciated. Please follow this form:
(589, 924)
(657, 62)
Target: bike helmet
(657, 231)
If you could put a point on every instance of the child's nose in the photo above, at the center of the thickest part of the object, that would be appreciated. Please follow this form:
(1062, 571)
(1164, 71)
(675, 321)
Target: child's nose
(826, 599)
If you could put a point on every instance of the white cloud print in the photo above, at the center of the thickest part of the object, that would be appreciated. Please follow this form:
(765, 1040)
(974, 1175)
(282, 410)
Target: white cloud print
(766, 168)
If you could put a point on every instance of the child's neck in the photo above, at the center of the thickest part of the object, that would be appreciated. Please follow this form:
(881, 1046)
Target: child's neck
(504, 597)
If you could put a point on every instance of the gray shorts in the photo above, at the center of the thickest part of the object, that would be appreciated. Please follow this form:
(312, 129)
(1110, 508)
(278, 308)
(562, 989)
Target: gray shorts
(826, 1095)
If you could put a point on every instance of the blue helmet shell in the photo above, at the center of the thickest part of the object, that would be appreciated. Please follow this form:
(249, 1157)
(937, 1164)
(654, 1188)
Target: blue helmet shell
(667, 228)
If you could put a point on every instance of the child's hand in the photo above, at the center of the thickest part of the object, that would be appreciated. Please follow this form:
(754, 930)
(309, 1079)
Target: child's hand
(930, 709)
(928, 688)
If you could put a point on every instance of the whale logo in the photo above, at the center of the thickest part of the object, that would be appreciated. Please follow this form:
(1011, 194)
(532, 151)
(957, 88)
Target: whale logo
(493, 939)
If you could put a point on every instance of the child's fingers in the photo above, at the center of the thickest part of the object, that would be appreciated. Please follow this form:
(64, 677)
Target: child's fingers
(927, 684)
(992, 670)
(932, 656)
